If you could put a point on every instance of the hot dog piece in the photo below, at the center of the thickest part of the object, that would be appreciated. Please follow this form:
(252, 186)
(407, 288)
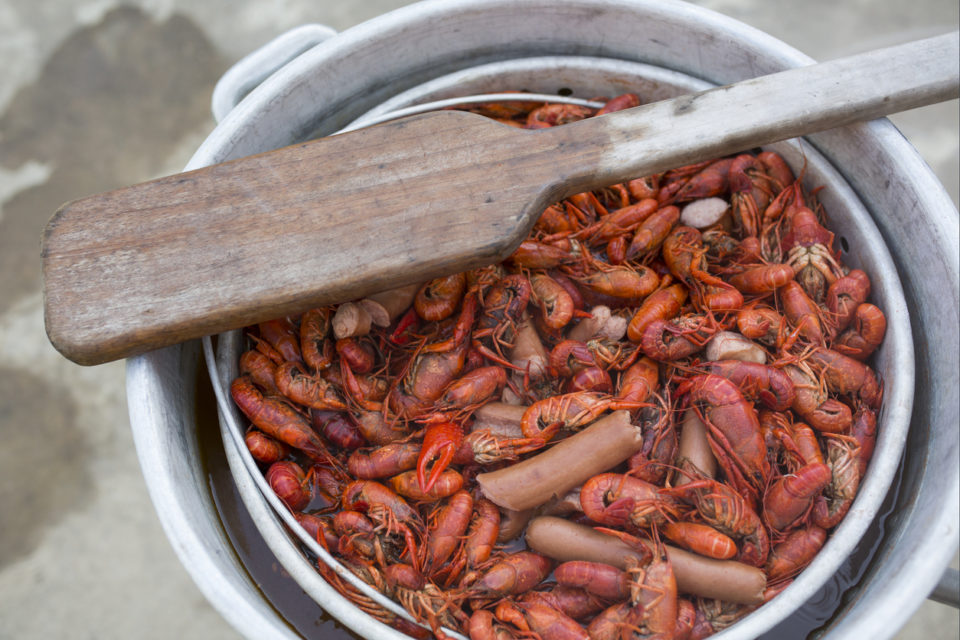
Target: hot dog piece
(694, 448)
(527, 484)
(696, 575)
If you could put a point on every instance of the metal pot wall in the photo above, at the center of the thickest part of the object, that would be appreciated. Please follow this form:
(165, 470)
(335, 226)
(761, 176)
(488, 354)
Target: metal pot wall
(330, 84)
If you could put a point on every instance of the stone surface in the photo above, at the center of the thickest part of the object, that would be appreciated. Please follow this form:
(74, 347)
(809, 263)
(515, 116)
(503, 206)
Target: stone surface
(96, 94)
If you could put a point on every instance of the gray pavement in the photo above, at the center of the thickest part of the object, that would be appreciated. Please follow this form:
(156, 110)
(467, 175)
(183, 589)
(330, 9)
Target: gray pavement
(96, 94)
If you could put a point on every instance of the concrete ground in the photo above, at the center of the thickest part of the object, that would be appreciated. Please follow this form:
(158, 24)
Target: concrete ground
(96, 94)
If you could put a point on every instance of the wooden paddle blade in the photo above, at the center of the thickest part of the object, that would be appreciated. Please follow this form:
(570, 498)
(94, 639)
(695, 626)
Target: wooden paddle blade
(334, 219)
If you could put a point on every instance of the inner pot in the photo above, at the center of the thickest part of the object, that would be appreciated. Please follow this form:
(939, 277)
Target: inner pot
(587, 76)
(331, 84)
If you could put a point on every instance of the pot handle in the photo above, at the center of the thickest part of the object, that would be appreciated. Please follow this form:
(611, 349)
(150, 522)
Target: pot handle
(947, 590)
(251, 70)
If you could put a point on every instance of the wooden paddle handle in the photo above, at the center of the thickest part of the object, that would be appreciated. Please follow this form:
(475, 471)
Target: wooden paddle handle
(713, 123)
(342, 217)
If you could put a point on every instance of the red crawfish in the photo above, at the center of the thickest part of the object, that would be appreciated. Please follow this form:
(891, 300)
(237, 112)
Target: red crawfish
(683, 253)
(811, 403)
(479, 544)
(845, 295)
(808, 246)
(663, 304)
(845, 376)
(555, 303)
(794, 553)
(309, 390)
(577, 603)
(709, 182)
(866, 334)
(512, 574)
(315, 343)
(278, 419)
(842, 456)
(789, 497)
(545, 418)
(445, 484)
(382, 462)
(804, 315)
(547, 622)
(678, 338)
(653, 595)
(263, 448)
(613, 499)
(289, 482)
(733, 429)
(724, 509)
(437, 299)
(338, 427)
(446, 530)
(770, 385)
(600, 579)
(651, 233)
(660, 442)
(700, 538)
(281, 334)
(762, 280)
(261, 370)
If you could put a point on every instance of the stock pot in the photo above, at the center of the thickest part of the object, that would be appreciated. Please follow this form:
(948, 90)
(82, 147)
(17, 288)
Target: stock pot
(891, 215)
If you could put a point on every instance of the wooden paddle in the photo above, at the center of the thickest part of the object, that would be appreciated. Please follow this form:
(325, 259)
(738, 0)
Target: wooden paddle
(338, 218)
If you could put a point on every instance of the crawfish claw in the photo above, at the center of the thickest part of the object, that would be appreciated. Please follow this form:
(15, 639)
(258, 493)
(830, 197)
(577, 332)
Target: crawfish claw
(441, 439)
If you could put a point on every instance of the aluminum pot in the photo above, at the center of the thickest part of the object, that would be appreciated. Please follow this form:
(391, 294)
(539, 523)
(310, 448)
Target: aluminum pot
(333, 82)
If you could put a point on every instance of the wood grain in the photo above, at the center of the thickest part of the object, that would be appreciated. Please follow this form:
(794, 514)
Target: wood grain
(335, 219)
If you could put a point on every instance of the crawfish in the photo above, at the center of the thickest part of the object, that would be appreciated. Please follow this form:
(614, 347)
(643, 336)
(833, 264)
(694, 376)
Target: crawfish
(444, 484)
(481, 538)
(263, 448)
(843, 459)
(603, 580)
(309, 390)
(613, 499)
(315, 345)
(845, 295)
(503, 308)
(865, 336)
(733, 429)
(663, 304)
(810, 402)
(278, 419)
(726, 510)
(772, 386)
(448, 528)
(556, 304)
(651, 233)
(660, 442)
(619, 221)
(794, 553)
(437, 299)
(654, 597)
(383, 462)
(678, 338)
(512, 574)
(808, 247)
(544, 418)
(701, 538)
(549, 623)
(338, 427)
(281, 334)
(710, 182)
(763, 279)
(261, 370)
(844, 375)
(749, 193)
(683, 253)
(289, 482)
(541, 255)
(789, 497)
